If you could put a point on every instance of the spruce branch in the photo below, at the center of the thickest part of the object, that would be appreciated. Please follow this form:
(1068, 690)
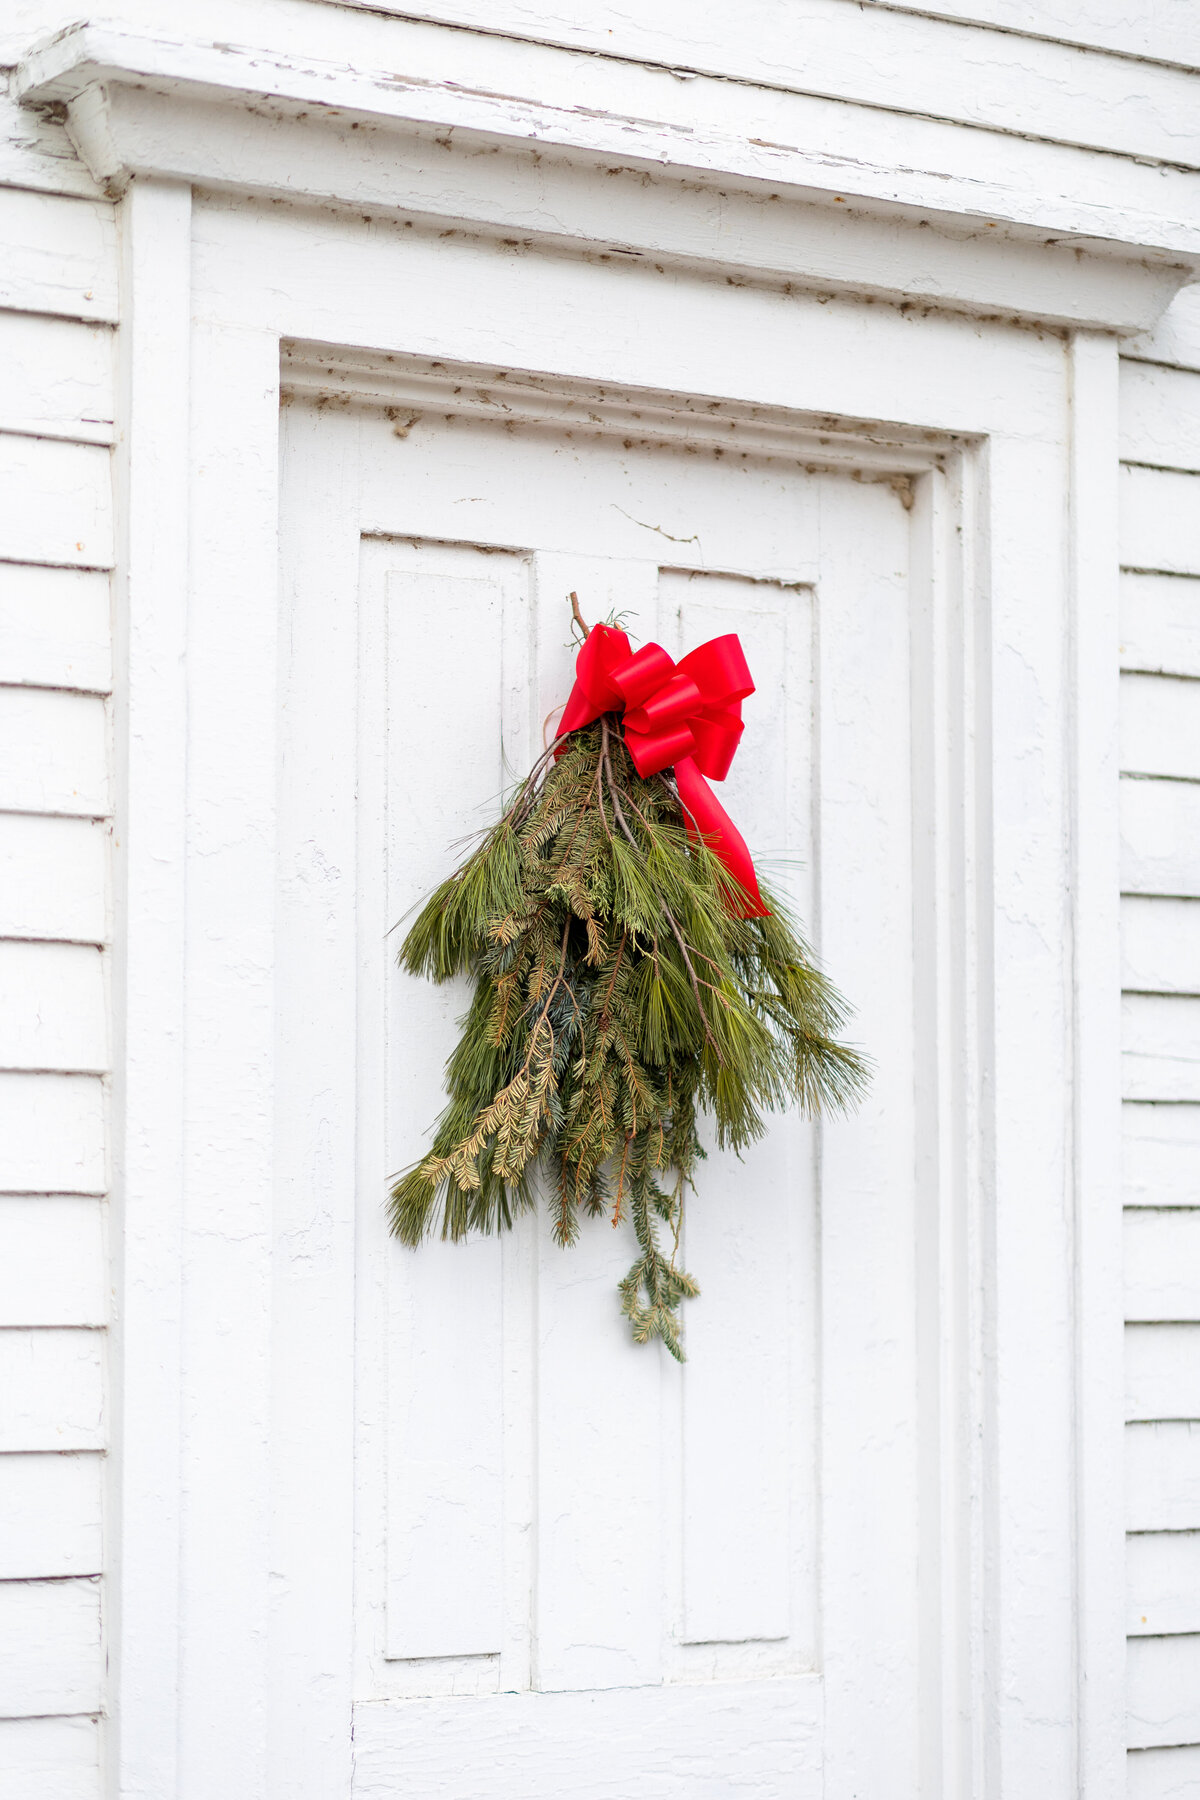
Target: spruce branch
(614, 999)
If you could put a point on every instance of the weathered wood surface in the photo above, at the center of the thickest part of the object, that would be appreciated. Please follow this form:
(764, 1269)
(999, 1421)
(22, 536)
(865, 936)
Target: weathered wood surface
(1160, 837)
(51, 1758)
(52, 1261)
(52, 1134)
(53, 878)
(50, 1654)
(52, 1515)
(53, 1011)
(1162, 1255)
(1160, 624)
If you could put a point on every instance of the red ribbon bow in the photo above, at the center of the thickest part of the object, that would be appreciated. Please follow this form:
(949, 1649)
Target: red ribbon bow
(686, 714)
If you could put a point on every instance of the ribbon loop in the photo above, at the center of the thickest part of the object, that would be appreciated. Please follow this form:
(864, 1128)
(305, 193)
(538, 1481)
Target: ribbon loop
(686, 716)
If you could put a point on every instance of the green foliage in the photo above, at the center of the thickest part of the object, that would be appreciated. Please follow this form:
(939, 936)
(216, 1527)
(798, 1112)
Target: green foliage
(616, 997)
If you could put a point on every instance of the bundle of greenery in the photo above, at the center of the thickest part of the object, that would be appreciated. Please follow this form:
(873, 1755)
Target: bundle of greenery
(618, 996)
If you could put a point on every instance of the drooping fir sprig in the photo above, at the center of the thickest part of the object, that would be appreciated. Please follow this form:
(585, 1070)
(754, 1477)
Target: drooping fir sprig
(616, 998)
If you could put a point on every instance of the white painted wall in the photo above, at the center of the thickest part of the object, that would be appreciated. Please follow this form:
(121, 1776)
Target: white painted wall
(1027, 81)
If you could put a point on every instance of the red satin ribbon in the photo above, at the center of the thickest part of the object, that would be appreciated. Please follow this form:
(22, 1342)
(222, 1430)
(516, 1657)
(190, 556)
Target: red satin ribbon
(687, 715)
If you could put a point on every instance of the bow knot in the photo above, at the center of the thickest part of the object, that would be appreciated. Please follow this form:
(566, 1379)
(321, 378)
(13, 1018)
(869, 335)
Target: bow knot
(686, 716)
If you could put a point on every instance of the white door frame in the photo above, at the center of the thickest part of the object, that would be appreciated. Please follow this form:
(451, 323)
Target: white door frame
(1007, 434)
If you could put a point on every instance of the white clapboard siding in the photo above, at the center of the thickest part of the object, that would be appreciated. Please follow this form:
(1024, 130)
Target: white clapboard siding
(53, 752)
(1176, 337)
(59, 255)
(35, 151)
(1162, 1372)
(55, 627)
(50, 1659)
(1163, 1572)
(52, 1134)
(52, 1007)
(53, 878)
(1162, 1264)
(1163, 1689)
(1160, 521)
(58, 377)
(52, 1269)
(50, 1758)
(1171, 1774)
(1162, 1474)
(1170, 32)
(55, 502)
(51, 1507)
(1160, 416)
(53, 1382)
(1160, 1047)
(880, 56)
(1160, 1155)
(1160, 837)
(1160, 725)
(1160, 945)
(1160, 623)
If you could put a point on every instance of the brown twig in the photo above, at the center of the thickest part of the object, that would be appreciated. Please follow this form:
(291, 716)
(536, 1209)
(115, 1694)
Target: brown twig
(573, 597)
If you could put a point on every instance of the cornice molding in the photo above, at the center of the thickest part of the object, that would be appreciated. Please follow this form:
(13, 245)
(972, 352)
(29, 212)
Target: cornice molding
(605, 182)
(410, 388)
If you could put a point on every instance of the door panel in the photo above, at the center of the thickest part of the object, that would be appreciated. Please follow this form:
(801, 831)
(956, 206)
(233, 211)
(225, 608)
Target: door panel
(574, 1562)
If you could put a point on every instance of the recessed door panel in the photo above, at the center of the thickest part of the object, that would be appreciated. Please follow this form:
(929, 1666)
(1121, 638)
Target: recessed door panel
(563, 1541)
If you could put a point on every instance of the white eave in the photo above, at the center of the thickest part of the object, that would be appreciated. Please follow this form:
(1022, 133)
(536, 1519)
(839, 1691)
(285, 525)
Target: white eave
(960, 218)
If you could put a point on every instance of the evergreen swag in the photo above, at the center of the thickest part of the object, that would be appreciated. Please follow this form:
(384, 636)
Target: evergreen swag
(615, 996)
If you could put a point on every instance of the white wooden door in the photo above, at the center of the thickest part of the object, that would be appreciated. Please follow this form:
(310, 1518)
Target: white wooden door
(515, 1554)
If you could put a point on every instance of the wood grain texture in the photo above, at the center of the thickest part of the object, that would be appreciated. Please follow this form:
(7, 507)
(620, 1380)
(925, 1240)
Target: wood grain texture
(58, 376)
(57, 502)
(1160, 726)
(52, 1262)
(53, 1008)
(1164, 1582)
(1160, 416)
(1160, 624)
(53, 878)
(1160, 837)
(1161, 1155)
(1160, 521)
(875, 56)
(1160, 1047)
(1160, 945)
(51, 1758)
(55, 627)
(53, 752)
(1162, 1263)
(1175, 340)
(1162, 1472)
(50, 1656)
(52, 1134)
(52, 1515)
(1163, 1686)
(721, 1737)
(56, 1380)
(35, 152)
(60, 256)
(1162, 1371)
(1171, 1774)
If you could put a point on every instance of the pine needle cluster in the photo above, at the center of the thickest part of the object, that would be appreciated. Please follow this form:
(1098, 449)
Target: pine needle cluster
(616, 999)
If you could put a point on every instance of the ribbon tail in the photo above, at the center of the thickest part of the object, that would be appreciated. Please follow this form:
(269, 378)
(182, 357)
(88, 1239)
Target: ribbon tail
(708, 822)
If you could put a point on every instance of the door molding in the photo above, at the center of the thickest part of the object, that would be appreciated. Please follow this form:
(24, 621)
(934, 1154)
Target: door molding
(1005, 439)
(921, 212)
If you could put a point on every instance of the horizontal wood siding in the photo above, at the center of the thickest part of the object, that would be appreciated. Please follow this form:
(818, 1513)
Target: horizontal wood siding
(58, 301)
(1160, 828)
